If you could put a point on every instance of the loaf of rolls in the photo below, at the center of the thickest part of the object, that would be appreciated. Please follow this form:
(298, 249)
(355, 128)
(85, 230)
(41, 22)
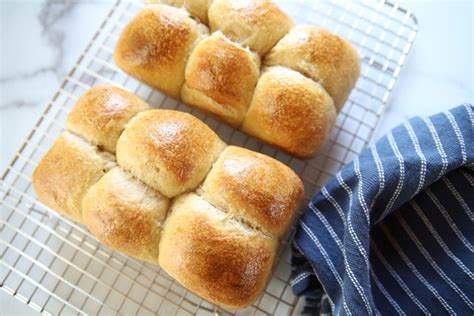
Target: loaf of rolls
(220, 73)
(161, 186)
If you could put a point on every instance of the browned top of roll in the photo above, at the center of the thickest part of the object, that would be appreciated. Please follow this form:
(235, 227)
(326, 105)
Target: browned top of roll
(101, 113)
(258, 24)
(320, 55)
(254, 188)
(155, 45)
(224, 72)
(169, 150)
(125, 214)
(213, 256)
(69, 168)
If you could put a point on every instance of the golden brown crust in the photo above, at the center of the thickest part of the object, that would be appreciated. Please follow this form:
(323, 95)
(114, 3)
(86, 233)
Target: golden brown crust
(170, 151)
(320, 55)
(125, 214)
(254, 188)
(66, 172)
(223, 72)
(290, 112)
(214, 256)
(197, 8)
(155, 46)
(101, 113)
(258, 24)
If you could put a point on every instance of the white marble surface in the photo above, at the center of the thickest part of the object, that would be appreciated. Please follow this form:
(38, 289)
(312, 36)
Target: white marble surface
(41, 40)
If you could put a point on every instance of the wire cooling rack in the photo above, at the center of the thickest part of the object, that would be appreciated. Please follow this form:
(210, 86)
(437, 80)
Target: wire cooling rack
(55, 266)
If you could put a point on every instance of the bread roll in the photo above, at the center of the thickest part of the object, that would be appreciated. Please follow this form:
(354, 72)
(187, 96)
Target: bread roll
(258, 24)
(101, 113)
(67, 171)
(155, 46)
(321, 56)
(220, 78)
(239, 183)
(214, 256)
(291, 112)
(170, 151)
(125, 214)
(197, 8)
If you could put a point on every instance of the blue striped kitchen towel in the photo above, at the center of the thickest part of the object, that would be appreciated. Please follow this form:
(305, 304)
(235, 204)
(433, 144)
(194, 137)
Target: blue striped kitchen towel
(393, 232)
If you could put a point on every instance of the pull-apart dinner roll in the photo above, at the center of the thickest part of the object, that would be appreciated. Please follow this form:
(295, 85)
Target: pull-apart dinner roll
(321, 56)
(197, 8)
(213, 255)
(230, 207)
(156, 44)
(220, 74)
(290, 111)
(170, 151)
(239, 184)
(101, 113)
(258, 24)
(125, 214)
(67, 171)
(220, 78)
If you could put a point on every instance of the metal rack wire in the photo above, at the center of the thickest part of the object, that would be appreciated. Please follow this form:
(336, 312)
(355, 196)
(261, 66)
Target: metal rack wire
(55, 266)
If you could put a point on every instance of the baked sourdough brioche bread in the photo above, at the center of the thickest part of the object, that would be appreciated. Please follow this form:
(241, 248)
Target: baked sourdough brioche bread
(290, 111)
(101, 114)
(239, 184)
(220, 78)
(320, 55)
(125, 214)
(170, 151)
(67, 171)
(220, 74)
(211, 215)
(155, 46)
(213, 255)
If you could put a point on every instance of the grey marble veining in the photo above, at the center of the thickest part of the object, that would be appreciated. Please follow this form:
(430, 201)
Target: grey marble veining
(48, 18)
(40, 41)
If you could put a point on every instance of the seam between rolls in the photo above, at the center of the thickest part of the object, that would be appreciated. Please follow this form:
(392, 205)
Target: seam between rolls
(101, 153)
(195, 43)
(261, 58)
(318, 82)
(239, 219)
(229, 214)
